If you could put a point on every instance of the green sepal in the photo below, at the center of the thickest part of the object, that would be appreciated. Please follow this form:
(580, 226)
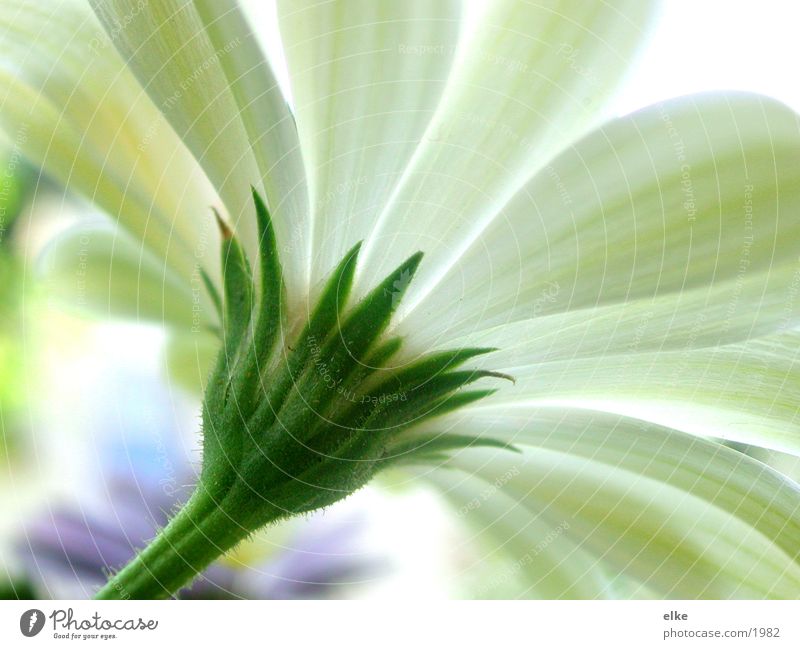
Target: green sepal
(294, 357)
(295, 422)
(331, 364)
(371, 316)
(213, 293)
(423, 399)
(458, 400)
(267, 332)
(423, 447)
(237, 281)
(381, 355)
(417, 374)
(271, 302)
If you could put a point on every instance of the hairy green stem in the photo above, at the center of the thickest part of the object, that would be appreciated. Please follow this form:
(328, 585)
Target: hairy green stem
(197, 535)
(333, 415)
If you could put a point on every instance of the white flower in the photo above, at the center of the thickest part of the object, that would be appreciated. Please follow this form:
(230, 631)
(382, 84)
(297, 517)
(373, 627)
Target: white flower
(639, 277)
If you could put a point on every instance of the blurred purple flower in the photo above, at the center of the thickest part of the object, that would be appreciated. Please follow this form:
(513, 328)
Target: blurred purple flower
(66, 551)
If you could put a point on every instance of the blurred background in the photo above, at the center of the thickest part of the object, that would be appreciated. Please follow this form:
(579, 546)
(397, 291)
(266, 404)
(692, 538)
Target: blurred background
(99, 421)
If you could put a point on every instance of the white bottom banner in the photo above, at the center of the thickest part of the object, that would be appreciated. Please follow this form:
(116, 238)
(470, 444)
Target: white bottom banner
(399, 624)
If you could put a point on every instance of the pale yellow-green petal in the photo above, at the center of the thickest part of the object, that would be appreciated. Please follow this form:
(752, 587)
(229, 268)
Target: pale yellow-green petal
(684, 517)
(746, 392)
(95, 269)
(190, 358)
(366, 78)
(688, 208)
(201, 64)
(515, 551)
(682, 321)
(530, 78)
(69, 104)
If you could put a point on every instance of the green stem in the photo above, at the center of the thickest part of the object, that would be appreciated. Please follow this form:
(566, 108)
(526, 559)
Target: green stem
(198, 534)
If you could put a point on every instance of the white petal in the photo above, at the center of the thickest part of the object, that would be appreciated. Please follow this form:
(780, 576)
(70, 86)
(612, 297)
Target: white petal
(101, 270)
(696, 199)
(746, 392)
(190, 359)
(203, 68)
(70, 105)
(271, 130)
(520, 553)
(366, 78)
(690, 319)
(531, 78)
(685, 517)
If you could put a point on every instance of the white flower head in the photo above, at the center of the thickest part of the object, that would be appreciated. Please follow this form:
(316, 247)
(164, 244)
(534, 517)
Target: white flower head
(638, 277)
